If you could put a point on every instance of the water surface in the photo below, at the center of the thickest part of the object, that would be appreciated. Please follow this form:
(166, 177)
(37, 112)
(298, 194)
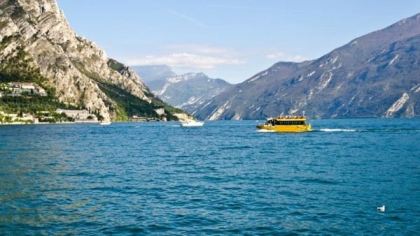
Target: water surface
(224, 178)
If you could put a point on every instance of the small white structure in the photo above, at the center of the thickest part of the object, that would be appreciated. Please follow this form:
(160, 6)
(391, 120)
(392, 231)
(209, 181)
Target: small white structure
(78, 115)
(17, 88)
(160, 111)
(381, 208)
(192, 123)
(16, 118)
(27, 118)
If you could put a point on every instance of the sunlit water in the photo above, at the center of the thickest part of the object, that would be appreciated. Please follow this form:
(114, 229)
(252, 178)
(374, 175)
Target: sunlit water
(223, 178)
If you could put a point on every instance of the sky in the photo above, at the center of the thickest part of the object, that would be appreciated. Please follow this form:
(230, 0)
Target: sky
(228, 39)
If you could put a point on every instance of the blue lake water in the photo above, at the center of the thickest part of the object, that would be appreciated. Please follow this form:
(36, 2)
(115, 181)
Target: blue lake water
(224, 178)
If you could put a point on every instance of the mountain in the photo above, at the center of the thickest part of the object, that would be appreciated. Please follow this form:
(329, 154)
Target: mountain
(376, 75)
(37, 45)
(151, 73)
(188, 91)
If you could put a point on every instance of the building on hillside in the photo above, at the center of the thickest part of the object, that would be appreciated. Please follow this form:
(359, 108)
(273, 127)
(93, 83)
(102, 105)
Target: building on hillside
(78, 115)
(19, 88)
(161, 112)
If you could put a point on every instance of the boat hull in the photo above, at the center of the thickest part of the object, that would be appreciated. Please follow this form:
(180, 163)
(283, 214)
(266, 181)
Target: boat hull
(192, 124)
(286, 128)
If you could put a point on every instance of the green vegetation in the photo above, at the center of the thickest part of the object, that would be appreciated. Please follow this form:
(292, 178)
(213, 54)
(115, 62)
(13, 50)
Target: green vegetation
(3, 24)
(19, 69)
(169, 109)
(115, 65)
(54, 118)
(6, 41)
(31, 104)
(127, 104)
(5, 119)
(18, 12)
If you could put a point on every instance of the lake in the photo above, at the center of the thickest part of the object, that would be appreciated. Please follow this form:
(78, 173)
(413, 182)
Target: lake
(223, 178)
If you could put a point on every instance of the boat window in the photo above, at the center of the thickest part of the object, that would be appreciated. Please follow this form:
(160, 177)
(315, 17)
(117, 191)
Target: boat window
(285, 122)
(288, 122)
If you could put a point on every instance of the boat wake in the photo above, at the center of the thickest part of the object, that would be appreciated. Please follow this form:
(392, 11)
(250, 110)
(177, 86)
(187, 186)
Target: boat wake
(265, 131)
(337, 130)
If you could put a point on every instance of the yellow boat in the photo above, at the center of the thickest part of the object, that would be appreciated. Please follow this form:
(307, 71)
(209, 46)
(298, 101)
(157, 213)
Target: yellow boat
(287, 124)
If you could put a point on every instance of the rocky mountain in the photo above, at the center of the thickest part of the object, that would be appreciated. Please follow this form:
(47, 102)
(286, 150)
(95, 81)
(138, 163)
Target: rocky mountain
(38, 45)
(376, 75)
(188, 91)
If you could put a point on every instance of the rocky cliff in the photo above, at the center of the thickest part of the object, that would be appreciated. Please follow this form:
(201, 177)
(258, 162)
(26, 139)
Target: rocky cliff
(376, 75)
(37, 42)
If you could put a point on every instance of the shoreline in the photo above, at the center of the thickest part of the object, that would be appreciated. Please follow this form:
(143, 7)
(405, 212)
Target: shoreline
(159, 121)
(46, 123)
(74, 123)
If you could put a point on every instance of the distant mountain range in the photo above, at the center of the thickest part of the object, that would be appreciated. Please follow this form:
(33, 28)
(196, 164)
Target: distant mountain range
(150, 73)
(188, 91)
(376, 75)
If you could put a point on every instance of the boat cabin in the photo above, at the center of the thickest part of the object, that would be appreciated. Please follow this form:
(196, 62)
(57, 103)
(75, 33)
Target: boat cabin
(287, 120)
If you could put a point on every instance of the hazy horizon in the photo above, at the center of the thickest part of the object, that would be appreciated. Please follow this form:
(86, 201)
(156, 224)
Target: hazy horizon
(230, 40)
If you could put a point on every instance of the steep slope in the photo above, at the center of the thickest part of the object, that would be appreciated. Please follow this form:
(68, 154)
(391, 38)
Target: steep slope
(373, 76)
(38, 45)
(188, 91)
(154, 76)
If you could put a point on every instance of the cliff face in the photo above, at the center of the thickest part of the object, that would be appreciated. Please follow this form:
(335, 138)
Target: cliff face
(36, 35)
(376, 75)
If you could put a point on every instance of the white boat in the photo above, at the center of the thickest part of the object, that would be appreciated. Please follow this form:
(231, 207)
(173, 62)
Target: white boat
(105, 123)
(192, 123)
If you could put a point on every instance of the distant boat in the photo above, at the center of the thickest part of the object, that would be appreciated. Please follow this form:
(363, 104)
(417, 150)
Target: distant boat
(381, 208)
(105, 123)
(192, 123)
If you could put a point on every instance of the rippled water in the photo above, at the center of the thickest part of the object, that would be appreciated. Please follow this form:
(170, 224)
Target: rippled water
(224, 178)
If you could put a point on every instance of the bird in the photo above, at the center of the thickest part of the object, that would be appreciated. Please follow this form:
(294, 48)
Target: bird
(381, 208)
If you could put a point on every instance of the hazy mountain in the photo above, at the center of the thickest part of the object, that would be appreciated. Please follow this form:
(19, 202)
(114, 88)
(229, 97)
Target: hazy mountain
(188, 91)
(154, 72)
(38, 45)
(373, 76)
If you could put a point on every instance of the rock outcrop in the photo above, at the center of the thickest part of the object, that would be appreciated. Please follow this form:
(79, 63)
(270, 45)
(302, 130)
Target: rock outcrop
(36, 35)
(376, 75)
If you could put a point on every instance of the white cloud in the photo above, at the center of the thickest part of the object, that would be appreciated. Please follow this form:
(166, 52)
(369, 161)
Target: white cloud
(189, 56)
(282, 56)
(185, 60)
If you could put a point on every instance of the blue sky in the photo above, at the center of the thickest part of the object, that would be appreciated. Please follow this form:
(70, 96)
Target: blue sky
(229, 39)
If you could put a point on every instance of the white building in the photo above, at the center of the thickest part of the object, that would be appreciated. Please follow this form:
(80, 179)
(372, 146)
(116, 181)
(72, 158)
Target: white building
(78, 115)
(32, 88)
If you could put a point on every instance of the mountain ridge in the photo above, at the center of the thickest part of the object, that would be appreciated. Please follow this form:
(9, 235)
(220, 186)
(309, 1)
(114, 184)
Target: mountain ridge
(185, 91)
(384, 60)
